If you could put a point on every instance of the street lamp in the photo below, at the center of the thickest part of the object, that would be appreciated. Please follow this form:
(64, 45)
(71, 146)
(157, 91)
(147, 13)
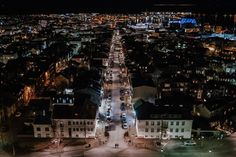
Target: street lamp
(162, 152)
(210, 151)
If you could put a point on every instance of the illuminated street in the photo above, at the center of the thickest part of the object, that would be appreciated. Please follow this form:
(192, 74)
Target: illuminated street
(149, 84)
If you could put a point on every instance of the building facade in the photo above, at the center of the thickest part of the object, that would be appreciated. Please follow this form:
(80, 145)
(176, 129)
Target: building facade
(164, 129)
(75, 128)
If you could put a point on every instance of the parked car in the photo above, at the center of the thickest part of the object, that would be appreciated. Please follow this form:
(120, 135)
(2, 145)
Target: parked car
(125, 126)
(122, 98)
(123, 115)
(122, 106)
(190, 143)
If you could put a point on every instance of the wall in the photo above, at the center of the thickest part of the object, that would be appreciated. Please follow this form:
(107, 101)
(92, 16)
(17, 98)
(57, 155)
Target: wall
(168, 132)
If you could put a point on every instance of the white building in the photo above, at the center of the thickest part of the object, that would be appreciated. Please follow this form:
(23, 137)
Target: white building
(78, 120)
(42, 127)
(162, 122)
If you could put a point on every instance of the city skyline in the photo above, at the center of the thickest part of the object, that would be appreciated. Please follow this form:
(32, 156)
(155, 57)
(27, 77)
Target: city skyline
(115, 6)
(148, 84)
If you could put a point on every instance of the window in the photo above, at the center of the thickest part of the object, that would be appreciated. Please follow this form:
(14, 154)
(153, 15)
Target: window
(177, 123)
(73, 129)
(61, 125)
(152, 129)
(81, 123)
(69, 122)
(39, 135)
(46, 129)
(171, 130)
(88, 129)
(183, 122)
(91, 123)
(77, 122)
(81, 129)
(147, 123)
(38, 129)
(177, 130)
(158, 129)
(73, 123)
(182, 130)
(146, 129)
(91, 129)
(152, 123)
(171, 123)
(77, 129)
(87, 123)
(158, 123)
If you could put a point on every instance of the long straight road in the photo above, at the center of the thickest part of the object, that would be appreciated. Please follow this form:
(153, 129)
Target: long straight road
(116, 135)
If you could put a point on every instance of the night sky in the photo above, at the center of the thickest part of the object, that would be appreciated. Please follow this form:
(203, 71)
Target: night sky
(60, 6)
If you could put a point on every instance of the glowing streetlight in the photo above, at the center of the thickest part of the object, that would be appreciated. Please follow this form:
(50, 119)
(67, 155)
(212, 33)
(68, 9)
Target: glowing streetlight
(162, 152)
(210, 151)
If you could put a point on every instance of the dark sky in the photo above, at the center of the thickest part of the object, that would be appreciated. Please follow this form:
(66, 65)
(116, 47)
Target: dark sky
(60, 6)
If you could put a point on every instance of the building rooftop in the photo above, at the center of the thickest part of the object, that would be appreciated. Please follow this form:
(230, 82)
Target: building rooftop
(40, 104)
(43, 119)
(148, 111)
(83, 108)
